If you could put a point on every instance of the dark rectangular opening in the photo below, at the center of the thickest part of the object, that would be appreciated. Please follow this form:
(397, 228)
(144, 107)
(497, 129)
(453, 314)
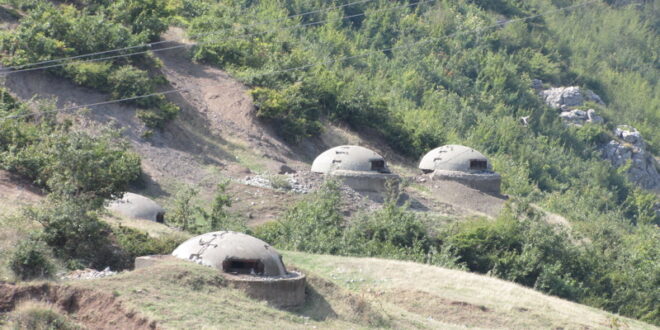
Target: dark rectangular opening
(378, 165)
(243, 266)
(477, 164)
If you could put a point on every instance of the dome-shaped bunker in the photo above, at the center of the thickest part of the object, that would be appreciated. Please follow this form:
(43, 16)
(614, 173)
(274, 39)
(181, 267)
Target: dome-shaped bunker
(461, 164)
(248, 263)
(138, 207)
(454, 158)
(232, 252)
(359, 167)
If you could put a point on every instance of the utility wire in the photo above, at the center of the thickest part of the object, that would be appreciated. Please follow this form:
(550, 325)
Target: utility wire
(18, 67)
(211, 41)
(340, 59)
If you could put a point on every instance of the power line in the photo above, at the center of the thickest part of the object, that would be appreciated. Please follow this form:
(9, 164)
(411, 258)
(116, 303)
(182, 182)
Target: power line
(17, 67)
(340, 59)
(207, 42)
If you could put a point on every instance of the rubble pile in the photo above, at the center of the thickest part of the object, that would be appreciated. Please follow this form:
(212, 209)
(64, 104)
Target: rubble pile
(88, 274)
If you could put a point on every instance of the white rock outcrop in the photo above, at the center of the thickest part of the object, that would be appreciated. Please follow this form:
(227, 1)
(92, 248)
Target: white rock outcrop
(566, 99)
(630, 148)
(626, 149)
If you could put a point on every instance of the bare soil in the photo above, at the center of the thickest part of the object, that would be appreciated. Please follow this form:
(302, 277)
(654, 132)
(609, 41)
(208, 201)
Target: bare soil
(17, 190)
(82, 305)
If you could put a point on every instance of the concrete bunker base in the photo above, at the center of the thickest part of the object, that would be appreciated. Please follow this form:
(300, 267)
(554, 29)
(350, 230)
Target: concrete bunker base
(280, 291)
(365, 181)
(487, 182)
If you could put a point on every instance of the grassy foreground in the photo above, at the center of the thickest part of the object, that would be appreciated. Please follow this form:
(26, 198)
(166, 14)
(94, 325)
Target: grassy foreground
(350, 293)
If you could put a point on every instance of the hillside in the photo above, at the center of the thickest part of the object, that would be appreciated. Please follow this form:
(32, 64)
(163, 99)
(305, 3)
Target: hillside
(216, 111)
(343, 293)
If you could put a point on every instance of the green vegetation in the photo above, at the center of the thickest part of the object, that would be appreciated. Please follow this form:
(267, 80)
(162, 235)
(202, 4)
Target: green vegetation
(30, 261)
(72, 32)
(615, 271)
(416, 76)
(40, 316)
(189, 216)
(65, 162)
(80, 172)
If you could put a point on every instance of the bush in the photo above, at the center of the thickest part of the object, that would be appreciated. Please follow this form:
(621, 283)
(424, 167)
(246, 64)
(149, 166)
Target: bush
(40, 316)
(134, 243)
(91, 74)
(72, 229)
(189, 216)
(70, 163)
(30, 260)
(313, 225)
(128, 81)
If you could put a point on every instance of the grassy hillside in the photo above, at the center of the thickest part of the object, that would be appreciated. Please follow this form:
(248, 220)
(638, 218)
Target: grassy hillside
(342, 293)
(411, 75)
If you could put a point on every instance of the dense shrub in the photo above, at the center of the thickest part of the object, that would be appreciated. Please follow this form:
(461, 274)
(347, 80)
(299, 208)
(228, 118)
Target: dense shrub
(30, 260)
(134, 243)
(72, 229)
(73, 32)
(70, 163)
(615, 271)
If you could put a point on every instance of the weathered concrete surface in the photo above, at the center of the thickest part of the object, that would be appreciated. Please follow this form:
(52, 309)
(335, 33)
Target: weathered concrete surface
(349, 158)
(138, 207)
(486, 182)
(453, 158)
(284, 291)
(215, 248)
(365, 181)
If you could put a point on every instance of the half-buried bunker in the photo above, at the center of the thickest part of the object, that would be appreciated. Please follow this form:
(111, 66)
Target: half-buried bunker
(461, 164)
(248, 263)
(138, 207)
(358, 167)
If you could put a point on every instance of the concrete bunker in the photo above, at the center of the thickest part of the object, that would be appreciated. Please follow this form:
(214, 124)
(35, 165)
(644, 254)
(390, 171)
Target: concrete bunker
(461, 164)
(248, 263)
(358, 167)
(138, 207)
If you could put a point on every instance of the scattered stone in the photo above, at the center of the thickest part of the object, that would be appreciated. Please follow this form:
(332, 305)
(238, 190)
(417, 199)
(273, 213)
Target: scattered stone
(88, 274)
(537, 84)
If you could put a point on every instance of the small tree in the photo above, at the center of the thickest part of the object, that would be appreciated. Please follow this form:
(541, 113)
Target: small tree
(219, 218)
(184, 213)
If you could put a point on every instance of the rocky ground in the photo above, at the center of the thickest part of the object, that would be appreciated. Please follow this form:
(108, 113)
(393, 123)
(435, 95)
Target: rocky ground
(627, 147)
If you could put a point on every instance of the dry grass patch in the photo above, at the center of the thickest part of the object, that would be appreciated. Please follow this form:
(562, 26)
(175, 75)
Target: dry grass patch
(183, 295)
(498, 303)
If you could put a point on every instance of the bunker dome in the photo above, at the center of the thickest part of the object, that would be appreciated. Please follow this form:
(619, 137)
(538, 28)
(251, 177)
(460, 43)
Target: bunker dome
(359, 167)
(247, 263)
(138, 207)
(461, 164)
(232, 252)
